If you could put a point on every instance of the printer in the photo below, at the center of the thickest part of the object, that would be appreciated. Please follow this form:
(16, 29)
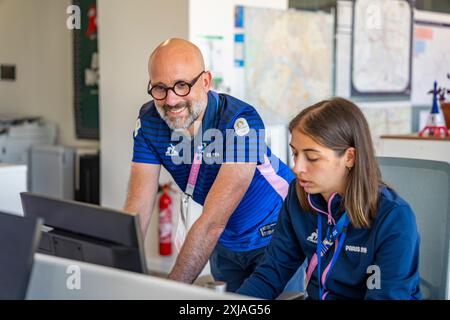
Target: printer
(19, 133)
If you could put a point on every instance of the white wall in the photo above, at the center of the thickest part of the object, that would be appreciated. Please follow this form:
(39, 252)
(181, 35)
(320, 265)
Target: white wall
(128, 32)
(34, 36)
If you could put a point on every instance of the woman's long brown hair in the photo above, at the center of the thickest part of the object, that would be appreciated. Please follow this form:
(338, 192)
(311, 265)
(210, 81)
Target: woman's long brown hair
(339, 124)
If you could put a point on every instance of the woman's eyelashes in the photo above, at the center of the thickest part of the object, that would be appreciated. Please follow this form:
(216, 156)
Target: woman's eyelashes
(295, 155)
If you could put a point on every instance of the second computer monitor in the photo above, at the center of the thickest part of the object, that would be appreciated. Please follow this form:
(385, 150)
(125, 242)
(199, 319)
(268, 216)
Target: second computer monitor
(87, 232)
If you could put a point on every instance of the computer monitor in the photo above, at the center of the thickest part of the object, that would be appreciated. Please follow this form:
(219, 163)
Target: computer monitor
(87, 232)
(19, 239)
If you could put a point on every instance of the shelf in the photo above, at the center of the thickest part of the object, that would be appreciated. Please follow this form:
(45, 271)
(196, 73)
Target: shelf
(414, 136)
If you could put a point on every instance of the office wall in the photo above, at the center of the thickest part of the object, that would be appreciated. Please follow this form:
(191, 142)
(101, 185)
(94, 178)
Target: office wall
(385, 114)
(34, 36)
(129, 31)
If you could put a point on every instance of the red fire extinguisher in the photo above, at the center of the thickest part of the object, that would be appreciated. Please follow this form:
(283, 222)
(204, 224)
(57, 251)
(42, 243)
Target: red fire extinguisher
(165, 222)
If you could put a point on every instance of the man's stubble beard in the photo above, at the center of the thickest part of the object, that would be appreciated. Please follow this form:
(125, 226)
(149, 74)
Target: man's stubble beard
(181, 123)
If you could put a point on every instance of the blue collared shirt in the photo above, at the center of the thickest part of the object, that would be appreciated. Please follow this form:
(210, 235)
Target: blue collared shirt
(253, 221)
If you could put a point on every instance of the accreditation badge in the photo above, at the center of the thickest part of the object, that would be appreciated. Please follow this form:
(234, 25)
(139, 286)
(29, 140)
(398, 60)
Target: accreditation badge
(180, 235)
(182, 227)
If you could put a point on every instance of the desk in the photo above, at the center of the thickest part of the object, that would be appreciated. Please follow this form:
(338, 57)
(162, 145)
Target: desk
(413, 146)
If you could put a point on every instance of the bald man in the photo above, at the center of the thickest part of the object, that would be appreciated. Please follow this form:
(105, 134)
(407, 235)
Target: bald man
(213, 145)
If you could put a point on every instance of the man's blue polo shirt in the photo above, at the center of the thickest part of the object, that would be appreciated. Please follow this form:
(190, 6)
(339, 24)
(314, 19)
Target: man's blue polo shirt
(232, 132)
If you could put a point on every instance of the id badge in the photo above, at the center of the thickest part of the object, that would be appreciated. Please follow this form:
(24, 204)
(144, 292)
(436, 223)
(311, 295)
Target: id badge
(182, 227)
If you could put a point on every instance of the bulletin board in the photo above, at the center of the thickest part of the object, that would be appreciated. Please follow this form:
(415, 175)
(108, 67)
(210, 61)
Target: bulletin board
(86, 72)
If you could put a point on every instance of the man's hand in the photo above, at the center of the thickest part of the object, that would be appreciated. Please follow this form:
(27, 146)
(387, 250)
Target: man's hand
(142, 190)
(224, 196)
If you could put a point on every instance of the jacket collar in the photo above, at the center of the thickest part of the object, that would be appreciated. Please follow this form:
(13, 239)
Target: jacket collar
(334, 204)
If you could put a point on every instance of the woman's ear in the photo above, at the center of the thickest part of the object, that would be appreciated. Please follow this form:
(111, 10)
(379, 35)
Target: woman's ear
(350, 157)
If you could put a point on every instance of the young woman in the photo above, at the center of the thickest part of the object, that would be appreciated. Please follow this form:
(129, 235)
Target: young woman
(359, 236)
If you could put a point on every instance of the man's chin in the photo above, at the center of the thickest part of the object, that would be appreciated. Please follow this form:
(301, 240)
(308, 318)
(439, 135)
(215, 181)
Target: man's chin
(177, 124)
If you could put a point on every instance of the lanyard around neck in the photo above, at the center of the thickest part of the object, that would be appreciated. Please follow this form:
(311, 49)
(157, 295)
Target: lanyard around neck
(198, 158)
(336, 237)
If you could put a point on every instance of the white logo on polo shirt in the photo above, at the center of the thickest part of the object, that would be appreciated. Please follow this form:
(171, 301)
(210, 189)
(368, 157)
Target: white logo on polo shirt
(137, 127)
(356, 249)
(171, 151)
(313, 237)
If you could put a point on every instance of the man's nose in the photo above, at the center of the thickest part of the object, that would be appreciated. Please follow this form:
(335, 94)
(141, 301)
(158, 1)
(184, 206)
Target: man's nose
(172, 99)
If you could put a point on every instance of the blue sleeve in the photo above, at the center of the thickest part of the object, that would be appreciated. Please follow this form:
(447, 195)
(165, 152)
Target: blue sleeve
(396, 258)
(142, 151)
(281, 260)
(245, 138)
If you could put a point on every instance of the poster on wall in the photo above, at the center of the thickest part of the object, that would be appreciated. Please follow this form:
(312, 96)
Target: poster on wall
(212, 47)
(381, 48)
(86, 72)
(431, 58)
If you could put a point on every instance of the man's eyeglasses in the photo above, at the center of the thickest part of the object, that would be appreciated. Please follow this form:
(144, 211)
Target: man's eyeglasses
(180, 88)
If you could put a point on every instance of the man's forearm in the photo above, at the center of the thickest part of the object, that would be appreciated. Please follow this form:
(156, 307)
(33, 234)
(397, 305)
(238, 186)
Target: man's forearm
(141, 194)
(223, 198)
(195, 252)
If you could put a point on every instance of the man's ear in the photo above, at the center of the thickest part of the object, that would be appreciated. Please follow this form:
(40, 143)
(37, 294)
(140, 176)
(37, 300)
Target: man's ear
(350, 157)
(207, 80)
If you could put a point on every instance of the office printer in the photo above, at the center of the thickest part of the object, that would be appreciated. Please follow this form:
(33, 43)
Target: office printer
(19, 133)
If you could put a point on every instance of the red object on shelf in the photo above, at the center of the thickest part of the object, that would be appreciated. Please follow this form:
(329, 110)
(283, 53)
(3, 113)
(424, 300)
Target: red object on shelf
(165, 222)
(434, 131)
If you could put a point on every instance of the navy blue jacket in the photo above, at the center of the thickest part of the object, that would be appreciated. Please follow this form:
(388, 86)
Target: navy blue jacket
(392, 244)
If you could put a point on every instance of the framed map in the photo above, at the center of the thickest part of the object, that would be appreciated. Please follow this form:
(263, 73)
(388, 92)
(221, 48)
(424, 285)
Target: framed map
(288, 62)
(381, 48)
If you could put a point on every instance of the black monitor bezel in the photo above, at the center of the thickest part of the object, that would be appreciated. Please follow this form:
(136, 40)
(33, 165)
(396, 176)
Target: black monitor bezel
(84, 219)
